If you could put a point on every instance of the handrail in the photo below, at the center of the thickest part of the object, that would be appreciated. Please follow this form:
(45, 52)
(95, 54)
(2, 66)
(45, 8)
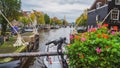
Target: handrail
(106, 16)
(28, 54)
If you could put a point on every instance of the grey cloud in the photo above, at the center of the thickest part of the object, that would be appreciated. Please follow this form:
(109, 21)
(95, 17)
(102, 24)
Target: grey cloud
(30, 5)
(74, 1)
(71, 15)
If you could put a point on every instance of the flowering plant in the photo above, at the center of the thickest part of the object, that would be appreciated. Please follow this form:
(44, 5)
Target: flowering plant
(98, 47)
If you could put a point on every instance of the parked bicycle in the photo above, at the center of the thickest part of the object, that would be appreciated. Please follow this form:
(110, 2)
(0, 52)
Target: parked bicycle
(59, 43)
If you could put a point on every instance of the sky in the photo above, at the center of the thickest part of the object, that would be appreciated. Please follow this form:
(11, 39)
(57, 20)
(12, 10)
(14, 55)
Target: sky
(71, 9)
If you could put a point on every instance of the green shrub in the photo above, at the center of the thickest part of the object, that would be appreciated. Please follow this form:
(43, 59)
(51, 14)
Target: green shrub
(97, 48)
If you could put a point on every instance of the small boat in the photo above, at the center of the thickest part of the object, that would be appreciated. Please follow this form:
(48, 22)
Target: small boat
(29, 29)
(81, 29)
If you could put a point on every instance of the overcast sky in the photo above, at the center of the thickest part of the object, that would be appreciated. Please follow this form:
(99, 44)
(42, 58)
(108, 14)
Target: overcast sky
(70, 8)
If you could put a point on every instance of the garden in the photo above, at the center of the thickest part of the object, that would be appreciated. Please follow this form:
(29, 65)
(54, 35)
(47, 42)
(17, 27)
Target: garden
(96, 48)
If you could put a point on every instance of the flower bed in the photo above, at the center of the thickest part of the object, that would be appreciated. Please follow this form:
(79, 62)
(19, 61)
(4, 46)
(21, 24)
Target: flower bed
(97, 48)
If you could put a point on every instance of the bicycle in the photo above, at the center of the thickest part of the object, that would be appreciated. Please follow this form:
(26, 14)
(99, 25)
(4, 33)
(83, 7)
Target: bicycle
(59, 43)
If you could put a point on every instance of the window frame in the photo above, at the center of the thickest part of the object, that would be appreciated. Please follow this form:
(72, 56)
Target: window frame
(115, 17)
(117, 2)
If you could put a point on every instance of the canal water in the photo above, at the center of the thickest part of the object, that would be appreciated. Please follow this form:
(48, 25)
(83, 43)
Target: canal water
(46, 36)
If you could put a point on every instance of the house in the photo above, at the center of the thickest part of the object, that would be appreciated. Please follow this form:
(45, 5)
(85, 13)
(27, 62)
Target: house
(97, 12)
(107, 10)
(26, 13)
(98, 3)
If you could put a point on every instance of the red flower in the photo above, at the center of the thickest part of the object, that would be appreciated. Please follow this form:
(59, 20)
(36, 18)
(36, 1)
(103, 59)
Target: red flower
(77, 37)
(105, 36)
(82, 56)
(93, 29)
(115, 28)
(106, 25)
(98, 35)
(68, 45)
(106, 47)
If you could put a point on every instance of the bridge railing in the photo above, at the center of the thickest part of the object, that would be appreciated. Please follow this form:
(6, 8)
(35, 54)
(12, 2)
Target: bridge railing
(28, 54)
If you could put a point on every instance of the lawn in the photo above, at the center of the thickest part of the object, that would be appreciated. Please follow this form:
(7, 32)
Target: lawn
(8, 47)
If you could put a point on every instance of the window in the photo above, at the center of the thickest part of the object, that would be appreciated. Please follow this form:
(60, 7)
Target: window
(115, 14)
(97, 18)
(109, 0)
(117, 2)
(98, 5)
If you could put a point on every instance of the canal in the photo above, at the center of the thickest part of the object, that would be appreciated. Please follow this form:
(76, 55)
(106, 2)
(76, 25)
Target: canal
(46, 36)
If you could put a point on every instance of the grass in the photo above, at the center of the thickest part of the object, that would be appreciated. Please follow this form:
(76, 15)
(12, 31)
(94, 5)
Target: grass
(8, 47)
(27, 34)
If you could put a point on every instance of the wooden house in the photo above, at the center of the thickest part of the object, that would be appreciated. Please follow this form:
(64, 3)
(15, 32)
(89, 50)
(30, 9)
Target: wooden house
(104, 9)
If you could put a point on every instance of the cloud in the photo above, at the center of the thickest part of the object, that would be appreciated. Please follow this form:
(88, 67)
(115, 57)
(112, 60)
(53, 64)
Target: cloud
(73, 2)
(71, 8)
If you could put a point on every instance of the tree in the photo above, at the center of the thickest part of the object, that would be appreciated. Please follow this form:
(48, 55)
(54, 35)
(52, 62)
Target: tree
(32, 16)
(24, 20)
(51, 21)
(59, 22)
(10, 8)
(41, 20)
(39, 17)
(56, 21)
(65, 22)
(81, 20)
(47, 19)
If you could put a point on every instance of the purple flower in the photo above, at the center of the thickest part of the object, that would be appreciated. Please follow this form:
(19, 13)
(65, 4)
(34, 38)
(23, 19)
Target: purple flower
(98, 50)
(99, 26)
(71, 37)
(113, 32)
(83, 39)
(89, 30)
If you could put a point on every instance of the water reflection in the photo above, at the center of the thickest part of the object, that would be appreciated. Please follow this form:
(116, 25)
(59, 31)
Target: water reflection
(12, 64)
(48, 36)
(45, 36)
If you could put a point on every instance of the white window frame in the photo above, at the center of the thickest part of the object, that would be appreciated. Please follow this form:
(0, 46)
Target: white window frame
(97, 17)
(117, 17)
(109, 0)
(117, 2)
(98, 5)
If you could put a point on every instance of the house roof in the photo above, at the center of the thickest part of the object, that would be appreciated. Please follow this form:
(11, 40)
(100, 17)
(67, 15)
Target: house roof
(103, 2)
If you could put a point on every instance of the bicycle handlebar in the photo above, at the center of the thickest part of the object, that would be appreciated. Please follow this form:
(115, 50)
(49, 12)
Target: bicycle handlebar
(59, 42)
(55, 42)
